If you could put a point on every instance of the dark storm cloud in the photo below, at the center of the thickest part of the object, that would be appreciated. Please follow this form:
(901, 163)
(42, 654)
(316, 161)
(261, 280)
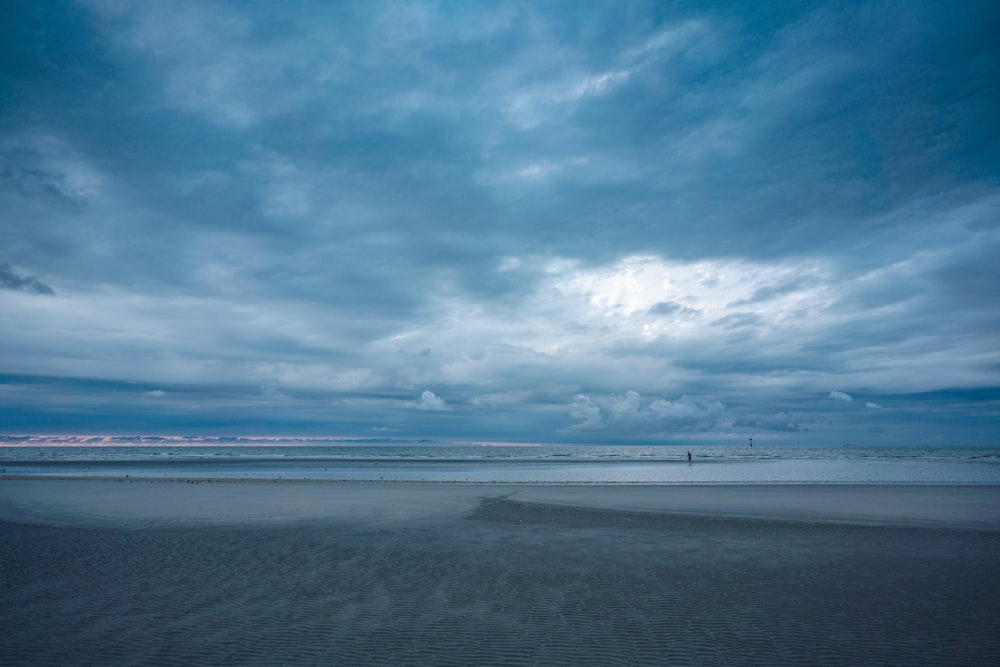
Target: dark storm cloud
(12, 280)
(671, 308)
(769, 292)
(496, 218)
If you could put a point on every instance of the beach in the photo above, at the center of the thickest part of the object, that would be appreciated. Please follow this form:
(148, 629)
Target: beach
(181, 571)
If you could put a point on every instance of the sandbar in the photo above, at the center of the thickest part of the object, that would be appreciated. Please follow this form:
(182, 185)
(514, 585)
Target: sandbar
(74, 501)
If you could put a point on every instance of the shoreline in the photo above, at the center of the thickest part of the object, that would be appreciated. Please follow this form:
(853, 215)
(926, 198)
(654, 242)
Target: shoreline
(22, 477)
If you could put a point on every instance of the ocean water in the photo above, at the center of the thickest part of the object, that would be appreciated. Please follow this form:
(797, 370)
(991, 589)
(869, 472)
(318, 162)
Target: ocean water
(553, 464)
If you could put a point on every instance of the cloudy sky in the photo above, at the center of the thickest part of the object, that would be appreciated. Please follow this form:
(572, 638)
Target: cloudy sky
(582, 222)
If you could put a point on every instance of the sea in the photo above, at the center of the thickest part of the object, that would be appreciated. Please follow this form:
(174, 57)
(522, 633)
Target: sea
(319, 460)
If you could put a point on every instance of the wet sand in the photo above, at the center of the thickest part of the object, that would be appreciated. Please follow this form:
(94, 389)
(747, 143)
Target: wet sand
(118, 572)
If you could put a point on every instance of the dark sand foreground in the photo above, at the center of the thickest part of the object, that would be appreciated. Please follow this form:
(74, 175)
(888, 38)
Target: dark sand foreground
(113, 572)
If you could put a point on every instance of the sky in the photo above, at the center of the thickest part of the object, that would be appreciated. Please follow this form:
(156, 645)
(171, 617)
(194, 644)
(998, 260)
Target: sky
(588, 222)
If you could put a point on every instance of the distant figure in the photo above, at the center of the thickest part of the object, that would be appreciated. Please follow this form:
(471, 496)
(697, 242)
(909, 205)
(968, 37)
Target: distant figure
(689, 457)
(751, 442)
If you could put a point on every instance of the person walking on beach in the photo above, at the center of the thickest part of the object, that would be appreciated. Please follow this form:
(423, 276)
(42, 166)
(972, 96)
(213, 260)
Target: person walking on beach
(689, 457)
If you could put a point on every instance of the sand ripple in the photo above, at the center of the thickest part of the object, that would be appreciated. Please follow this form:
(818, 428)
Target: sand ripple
(514, 584)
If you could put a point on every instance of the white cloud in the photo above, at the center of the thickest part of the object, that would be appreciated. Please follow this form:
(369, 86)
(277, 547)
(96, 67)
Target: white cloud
(637, 283)
(690, 36)
(430, 401)
(840, 396)
(155, 393)
(870, 404)
(600, 84)
(589, 414)
(632, 412)
(686, 409)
